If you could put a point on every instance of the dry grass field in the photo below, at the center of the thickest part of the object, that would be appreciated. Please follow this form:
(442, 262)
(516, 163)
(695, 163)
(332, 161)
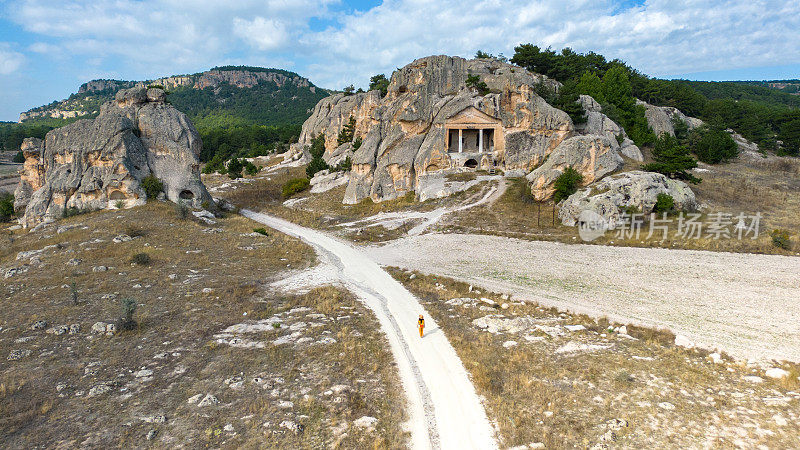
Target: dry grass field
(218, 357)
(568, 381)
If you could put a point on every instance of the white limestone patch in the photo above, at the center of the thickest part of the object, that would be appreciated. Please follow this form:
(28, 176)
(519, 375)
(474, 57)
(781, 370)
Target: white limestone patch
(303, 281)
(577, 347)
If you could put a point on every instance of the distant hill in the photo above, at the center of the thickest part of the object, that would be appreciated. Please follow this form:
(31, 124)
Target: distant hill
(230, 95)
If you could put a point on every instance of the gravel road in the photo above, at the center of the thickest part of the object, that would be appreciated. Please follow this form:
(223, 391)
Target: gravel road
(445, 412)
(747, 305)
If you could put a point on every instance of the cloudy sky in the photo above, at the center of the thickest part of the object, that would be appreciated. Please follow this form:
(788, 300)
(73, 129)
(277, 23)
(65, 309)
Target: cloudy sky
(49, 47)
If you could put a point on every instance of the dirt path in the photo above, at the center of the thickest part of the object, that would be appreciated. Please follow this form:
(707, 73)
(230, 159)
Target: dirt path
(745, 304)
(444, 410)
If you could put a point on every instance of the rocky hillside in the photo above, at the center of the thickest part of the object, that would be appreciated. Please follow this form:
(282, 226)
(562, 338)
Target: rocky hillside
(412, 134)
(246, 92)
(100, 163)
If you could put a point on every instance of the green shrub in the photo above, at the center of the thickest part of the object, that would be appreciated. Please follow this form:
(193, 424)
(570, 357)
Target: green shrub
(715, 146)
(72, 211)
(262, 231)
(134, 231)
(474, 82)
(141, 259)
(379, 83)
(316, 165)
(119, 204)
(152, 186)
(343, 166)
(18, 158)
(664, 203)
(6, 207)
(348, 131)
(566, 184)
(780, 239)
(235, 167)
(672, 159)
(250, 168)
(181, 210)
(317, 150)
(294, 186)
(126, 322)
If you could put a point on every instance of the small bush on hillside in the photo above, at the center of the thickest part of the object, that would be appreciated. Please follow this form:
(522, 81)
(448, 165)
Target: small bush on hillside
(294, 186)
(152, 186)
(141, 259)
(715, 146)
(250, 168)
(72, 211)
(780, 239)
(664, 203)
(566, 184)
(474, 82)
(235, 167)
(672, 159)
(126, 322)
(348, 132)
(181, 210)
(262, 231)
(343, 166)
(6, 207)
(18, 158)
(134, 231)
(317, 150)
(119, 204)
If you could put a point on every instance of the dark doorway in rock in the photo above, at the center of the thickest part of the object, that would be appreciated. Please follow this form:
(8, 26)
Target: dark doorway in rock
(471, 163)
(117, 195)
(186, 195)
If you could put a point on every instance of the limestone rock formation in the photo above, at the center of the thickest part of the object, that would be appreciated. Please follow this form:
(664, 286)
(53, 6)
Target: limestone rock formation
(660, 118)
(31, 177)
(599, 124)
(592, 156)
(431, 121)
(94, 164)
(636, 189)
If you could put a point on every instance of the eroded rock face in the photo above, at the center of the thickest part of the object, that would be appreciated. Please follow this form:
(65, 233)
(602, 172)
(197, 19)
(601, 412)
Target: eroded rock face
(32, 174)
(95, 164)
(599, 124)
(636, 189)
(592, 156)
(660, 118)
(407, 134)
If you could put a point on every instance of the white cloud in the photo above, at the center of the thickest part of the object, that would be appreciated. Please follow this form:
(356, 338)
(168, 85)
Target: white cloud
(264, 34)
(156, 37)
(10, 60)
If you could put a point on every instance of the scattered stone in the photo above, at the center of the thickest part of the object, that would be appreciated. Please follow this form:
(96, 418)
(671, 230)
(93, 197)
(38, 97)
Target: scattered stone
(121, 238)
(143, 373)
(155, 419)
(780, 420)
(74, 262)
(99, 389)
(509, 344)
(39, 325)
(716, 358)
(283, 404)
(99, 269)
(16, 271)
(753, 379)
(151, 434)
(18, 354)
(574, 347)
(666, 405)
(229, 428)
(208, 400)
(504, 306)
(683, 341)
(109, 329)
(776, 373)
(575, 327)
(194, 399)
(292, 426)
(623, 330)
(366, 422)
(58, 330)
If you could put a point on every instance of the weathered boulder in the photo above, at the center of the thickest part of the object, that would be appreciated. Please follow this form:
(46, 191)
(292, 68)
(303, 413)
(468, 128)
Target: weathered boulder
(414, 129)
(592, 156)
(599, 124)
(660, 118)
(32, 175)
(637, 189)
(324, 181)
(94, 164)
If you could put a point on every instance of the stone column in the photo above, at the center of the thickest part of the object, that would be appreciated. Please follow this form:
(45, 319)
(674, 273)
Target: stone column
(460, 142)
(480, 140)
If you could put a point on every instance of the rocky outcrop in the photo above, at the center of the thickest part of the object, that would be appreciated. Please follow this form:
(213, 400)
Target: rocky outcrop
(613, 195)
(599, 124)
(413, 130)
(32, 174)
(104, 85)
(99, 163)
(592, 156)
(660, 118)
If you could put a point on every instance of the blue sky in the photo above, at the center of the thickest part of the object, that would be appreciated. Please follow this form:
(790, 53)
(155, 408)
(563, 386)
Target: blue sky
(49, 47)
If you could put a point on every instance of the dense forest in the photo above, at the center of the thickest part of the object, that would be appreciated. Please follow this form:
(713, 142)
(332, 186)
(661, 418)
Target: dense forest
(761, 114)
